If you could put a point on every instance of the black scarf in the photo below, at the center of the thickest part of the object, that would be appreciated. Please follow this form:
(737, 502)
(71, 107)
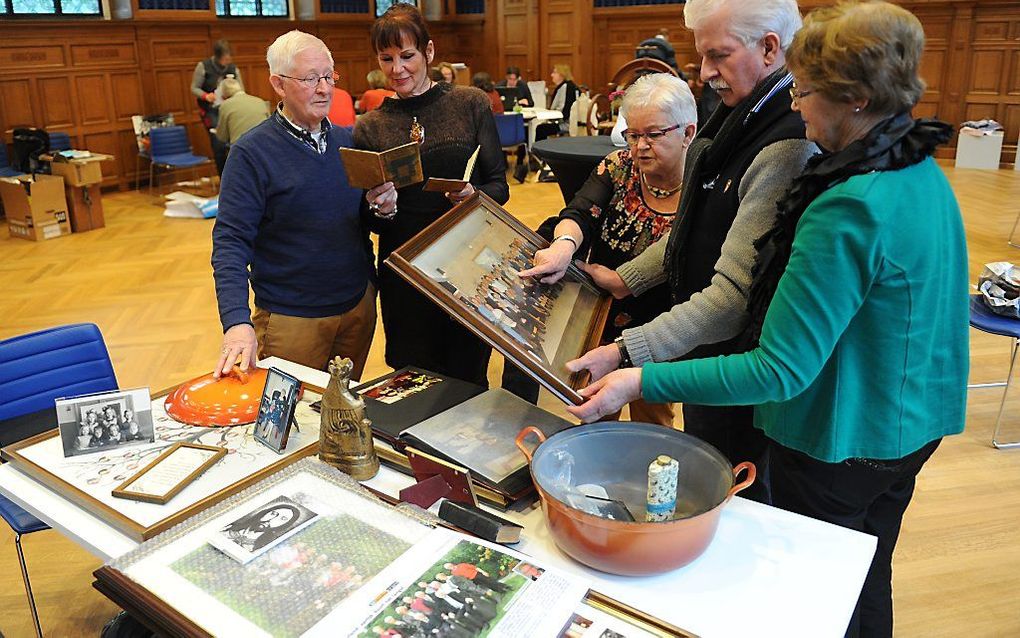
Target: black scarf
(894, 143)
(711, 149)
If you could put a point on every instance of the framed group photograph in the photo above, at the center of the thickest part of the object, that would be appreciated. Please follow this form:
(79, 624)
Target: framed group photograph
(102, 421)
(276, 411)
(467, 262)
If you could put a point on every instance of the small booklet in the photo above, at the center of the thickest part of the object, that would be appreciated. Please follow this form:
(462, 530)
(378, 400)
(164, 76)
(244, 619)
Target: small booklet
(442, 185)
(368, 169)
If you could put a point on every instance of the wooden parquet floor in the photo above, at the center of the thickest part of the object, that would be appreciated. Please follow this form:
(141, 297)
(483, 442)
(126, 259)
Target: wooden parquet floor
(146, 281)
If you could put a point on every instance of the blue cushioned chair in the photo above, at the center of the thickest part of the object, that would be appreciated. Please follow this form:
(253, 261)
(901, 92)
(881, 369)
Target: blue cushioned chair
(513, 138)
(59, 141)
(5, 164)
(35, 369)
(983, 319)
(170, 148)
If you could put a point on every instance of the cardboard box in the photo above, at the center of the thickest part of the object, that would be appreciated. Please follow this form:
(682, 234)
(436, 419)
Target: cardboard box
(79, 172)
(36, 209)
(979, 151)
(85, 204)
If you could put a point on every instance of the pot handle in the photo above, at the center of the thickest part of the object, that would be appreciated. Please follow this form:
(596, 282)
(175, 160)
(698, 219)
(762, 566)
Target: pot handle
(752, 472)
(523, 434)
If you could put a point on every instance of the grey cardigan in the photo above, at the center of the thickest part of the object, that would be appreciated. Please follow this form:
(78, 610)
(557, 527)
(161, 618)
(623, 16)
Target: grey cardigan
(718, 312)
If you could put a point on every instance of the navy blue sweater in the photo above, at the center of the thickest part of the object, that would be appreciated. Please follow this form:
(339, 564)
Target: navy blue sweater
(289, 214)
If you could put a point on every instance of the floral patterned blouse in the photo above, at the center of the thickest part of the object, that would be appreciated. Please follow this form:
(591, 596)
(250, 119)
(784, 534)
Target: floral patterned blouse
(613, 214)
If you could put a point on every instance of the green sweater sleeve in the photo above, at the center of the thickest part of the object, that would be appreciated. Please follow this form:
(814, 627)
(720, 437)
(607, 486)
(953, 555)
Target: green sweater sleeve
(836, 255)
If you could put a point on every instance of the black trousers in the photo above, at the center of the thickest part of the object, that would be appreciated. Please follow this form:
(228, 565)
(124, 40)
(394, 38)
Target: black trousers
(730, 429)
(866, 495)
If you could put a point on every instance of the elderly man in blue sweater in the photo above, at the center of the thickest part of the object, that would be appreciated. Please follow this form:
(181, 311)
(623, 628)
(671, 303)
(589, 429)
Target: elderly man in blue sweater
(289, 224)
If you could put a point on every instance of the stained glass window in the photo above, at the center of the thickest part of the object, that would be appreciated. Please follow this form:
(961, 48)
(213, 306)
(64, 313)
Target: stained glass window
(51, 7)
(251, 8)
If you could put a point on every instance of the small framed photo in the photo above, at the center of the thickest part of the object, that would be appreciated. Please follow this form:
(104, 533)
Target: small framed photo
(97, 422)
(169, 473)
(467, 263)
(276, 411)
(262, 528)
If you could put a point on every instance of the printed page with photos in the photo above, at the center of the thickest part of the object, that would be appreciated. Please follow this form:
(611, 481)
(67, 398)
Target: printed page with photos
(310, 556)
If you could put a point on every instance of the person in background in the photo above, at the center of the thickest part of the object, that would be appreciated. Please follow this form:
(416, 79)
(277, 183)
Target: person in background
(341, 109)
(483, 82)
(738, 166)
(515, 81)
(866, 269)
(708, 98)
(204, 82)
(448, 123)
(290, 225)
(448, 72)
(629, 203)
(661, 49)
(239, 112)
(376, 93)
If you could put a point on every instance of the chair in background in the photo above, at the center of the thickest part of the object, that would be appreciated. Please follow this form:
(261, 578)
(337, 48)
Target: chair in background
(513, 138)
(600, 119)
(59, 141)
(539, 93)
(6, 170)
(171, 149)
(36, 369)
(578, 112)
(983, 319)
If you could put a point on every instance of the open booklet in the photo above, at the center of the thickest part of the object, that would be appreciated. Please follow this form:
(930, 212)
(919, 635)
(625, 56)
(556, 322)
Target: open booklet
(308, 552)
(443, 185)
(368, 169)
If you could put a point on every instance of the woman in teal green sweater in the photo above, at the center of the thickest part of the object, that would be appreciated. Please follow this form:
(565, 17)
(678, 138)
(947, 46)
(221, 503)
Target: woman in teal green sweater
(859, 346)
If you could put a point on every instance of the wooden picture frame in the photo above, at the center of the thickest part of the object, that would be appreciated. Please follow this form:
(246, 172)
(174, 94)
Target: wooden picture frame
(124, 489)
(16, 454)
(466, 263)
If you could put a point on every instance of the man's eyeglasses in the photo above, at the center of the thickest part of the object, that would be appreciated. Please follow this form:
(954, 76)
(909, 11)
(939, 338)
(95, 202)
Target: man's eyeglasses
(312, 81)
(796, 94)
(633, 137)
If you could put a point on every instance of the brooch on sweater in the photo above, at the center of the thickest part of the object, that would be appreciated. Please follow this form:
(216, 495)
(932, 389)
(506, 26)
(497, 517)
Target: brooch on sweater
(417, 132)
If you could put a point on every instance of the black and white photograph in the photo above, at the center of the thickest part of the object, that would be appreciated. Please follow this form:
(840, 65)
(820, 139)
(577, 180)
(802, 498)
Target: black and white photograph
(272, 426)
(262, 528)
(96, 422)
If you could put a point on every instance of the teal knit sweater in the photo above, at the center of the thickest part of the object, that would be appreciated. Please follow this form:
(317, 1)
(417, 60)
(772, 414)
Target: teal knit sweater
(864, 350)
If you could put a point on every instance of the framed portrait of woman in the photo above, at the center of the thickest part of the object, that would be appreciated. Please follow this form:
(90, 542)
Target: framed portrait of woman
(467, 263)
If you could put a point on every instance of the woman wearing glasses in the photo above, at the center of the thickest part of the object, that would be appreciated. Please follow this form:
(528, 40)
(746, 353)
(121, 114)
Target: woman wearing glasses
(448, 123)
(628, 203)
(859, 310)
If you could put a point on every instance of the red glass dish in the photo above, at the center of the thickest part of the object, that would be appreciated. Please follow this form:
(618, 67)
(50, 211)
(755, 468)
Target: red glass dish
(230, 400)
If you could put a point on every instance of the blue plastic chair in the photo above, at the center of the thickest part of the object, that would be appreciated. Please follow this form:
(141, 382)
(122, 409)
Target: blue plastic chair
(170, 148)
(36, 369)
(59, 141)
(983, 319)
(510, 127)
(5, 164)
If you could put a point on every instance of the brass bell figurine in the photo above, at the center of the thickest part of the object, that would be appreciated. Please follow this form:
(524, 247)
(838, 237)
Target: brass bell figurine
(345, 435)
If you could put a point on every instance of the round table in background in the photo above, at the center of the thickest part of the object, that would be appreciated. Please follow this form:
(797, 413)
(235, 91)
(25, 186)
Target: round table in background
(572, 159)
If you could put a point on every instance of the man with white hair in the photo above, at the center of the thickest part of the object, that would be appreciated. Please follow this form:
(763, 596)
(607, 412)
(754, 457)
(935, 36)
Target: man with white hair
(287, 213)
(739, 165)
(239, 112)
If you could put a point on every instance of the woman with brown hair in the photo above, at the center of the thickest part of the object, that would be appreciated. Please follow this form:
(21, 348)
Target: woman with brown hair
(448, 123)
(858, 307)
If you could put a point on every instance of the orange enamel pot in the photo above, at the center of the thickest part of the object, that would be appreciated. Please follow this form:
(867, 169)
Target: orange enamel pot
(232, 399)
(616, 455)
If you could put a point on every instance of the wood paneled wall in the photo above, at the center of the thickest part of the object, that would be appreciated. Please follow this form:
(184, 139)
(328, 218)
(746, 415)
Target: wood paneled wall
(89, 78)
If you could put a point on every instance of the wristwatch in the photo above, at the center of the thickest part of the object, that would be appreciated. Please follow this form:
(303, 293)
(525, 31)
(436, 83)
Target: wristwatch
(625, 361)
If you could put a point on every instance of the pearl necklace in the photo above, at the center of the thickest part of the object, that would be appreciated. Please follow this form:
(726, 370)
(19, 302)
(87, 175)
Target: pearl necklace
(660, 193)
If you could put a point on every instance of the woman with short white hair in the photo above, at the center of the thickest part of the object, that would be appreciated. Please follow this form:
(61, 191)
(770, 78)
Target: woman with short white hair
(628, 203)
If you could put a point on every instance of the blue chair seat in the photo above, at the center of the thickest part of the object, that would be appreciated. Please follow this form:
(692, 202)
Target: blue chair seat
(180, 159)
(20, 520)
(7, 171)
(983, 319)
